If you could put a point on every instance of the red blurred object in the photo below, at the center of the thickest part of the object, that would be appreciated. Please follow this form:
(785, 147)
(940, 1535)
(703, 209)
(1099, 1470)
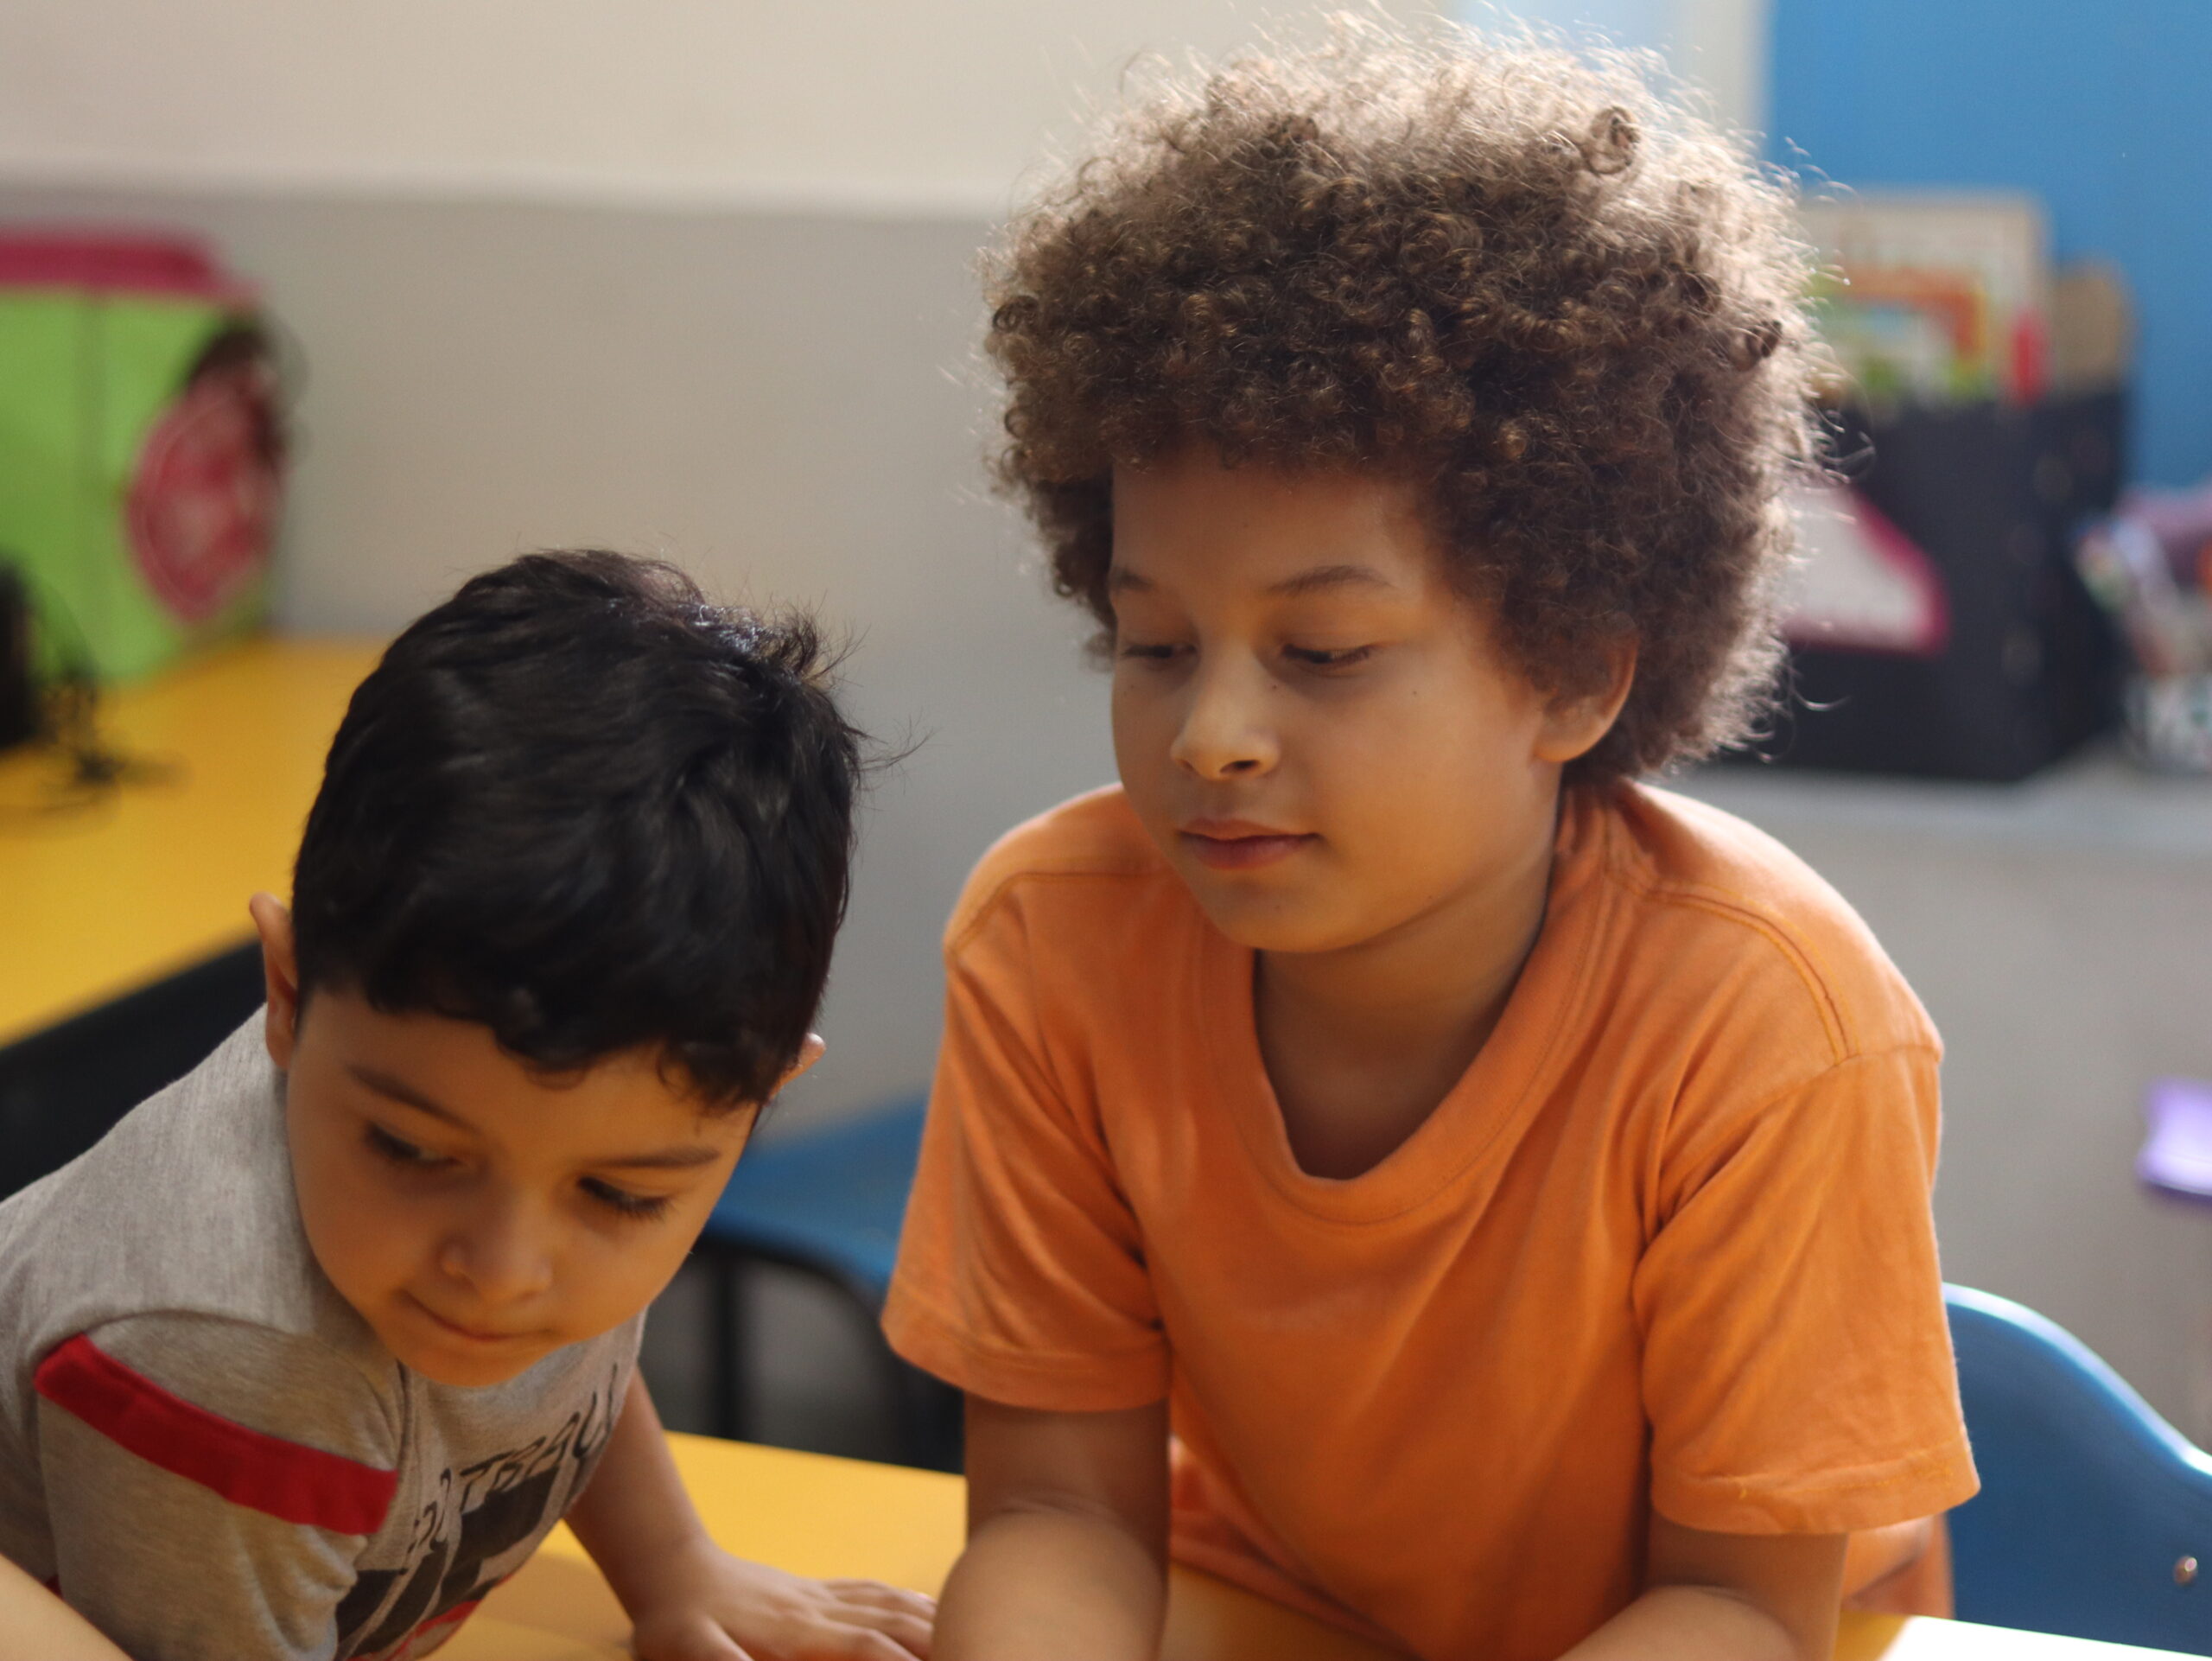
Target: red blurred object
(85, 259)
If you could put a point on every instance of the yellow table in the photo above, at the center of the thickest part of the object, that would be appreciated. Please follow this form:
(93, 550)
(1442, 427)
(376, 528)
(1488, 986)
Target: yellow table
(828, 1517)
(153, 877)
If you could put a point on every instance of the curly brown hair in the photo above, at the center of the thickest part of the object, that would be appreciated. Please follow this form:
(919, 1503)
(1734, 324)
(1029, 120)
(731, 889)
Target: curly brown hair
(1564, 305)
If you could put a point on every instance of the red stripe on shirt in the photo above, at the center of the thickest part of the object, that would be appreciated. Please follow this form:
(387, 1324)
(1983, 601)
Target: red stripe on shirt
(403, 1649)
(284, 1479)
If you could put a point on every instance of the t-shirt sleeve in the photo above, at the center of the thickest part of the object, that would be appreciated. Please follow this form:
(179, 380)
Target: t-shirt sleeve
(1797, 1370)
(1021, 1273)
(209, 1484)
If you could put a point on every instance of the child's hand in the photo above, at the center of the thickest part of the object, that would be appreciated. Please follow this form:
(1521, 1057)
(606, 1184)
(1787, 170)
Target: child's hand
(712, 1607)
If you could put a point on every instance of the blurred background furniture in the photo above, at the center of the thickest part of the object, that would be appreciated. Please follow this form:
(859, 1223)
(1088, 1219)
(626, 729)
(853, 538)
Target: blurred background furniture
(129, 955)
(828, 1202)
(2094, 1517)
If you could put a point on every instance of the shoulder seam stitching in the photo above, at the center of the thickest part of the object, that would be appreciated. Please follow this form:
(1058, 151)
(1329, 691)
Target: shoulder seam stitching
(989, 902)
(1721, 903)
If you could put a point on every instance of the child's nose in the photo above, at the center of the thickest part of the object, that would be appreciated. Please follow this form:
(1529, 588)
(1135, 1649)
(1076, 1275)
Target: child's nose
(1225, 732)
(501, 1255)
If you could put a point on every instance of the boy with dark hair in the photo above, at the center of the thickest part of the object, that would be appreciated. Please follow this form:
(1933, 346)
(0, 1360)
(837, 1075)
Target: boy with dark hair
(1507, 1182)
(312, 1350)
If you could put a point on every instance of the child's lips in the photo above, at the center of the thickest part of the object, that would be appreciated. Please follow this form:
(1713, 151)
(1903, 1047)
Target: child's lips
(471, 1334)
(1238, 845)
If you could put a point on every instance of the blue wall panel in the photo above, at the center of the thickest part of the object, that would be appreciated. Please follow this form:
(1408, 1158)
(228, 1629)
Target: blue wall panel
(2102, 107)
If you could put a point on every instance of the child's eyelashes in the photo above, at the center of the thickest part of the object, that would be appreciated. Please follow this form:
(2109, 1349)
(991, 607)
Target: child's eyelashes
(1328, 657)
(403, 1153)
(644, 1207)
(1303, 657)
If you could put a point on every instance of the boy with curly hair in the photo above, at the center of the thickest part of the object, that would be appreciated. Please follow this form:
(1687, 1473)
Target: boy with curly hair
(1507, 1182)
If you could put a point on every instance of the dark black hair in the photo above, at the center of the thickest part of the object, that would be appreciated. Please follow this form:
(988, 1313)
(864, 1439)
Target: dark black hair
(580, 805)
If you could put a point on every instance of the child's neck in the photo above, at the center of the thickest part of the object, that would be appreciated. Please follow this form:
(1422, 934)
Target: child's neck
(1362, 1044)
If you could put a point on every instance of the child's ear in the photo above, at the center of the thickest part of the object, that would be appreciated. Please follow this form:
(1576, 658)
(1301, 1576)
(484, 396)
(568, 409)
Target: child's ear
(1573, 725)
(280, 974)
(809, 1054)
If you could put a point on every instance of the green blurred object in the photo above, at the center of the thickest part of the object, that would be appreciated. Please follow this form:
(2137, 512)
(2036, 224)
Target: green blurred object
(141, 449)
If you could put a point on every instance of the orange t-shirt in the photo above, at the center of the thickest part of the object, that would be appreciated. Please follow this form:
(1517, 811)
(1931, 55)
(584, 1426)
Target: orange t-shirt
(1665, 1244)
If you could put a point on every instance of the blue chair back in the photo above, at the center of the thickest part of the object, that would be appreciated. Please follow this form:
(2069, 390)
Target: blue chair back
(830, 1199)
(2093, 1511)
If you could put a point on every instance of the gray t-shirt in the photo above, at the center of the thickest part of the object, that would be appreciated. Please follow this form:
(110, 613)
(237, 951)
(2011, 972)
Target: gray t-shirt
(208, 1452)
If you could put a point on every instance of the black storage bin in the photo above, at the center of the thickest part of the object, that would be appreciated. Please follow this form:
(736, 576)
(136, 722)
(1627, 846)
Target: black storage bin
(18, 695)
(1994, 495)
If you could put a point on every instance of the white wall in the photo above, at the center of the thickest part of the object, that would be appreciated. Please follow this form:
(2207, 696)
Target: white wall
(876, 104)
(1718, 46)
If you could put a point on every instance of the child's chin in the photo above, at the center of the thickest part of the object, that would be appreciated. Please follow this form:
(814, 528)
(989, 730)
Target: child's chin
(463, 1371)
(458, 1361)
(1264, 922)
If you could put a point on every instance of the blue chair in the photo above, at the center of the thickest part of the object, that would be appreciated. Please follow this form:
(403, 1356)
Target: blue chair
(829, 1203)
(2094, 1513)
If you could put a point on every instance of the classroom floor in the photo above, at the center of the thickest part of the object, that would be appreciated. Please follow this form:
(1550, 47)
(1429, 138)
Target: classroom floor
(817, 1383)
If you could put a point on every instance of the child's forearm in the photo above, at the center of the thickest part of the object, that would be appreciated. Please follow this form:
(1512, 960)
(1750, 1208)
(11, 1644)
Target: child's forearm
(687, 1596)
(33, 1621)
(635, 1518)
(1694, 1623)
(1877, 1557)
(1041, 1585)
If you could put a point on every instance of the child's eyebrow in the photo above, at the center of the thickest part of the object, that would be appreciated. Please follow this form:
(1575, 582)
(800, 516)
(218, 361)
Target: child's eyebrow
(663, 1159)
(668, 1159)
(1321, 578)
(385, 1084)
(1318, 580)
